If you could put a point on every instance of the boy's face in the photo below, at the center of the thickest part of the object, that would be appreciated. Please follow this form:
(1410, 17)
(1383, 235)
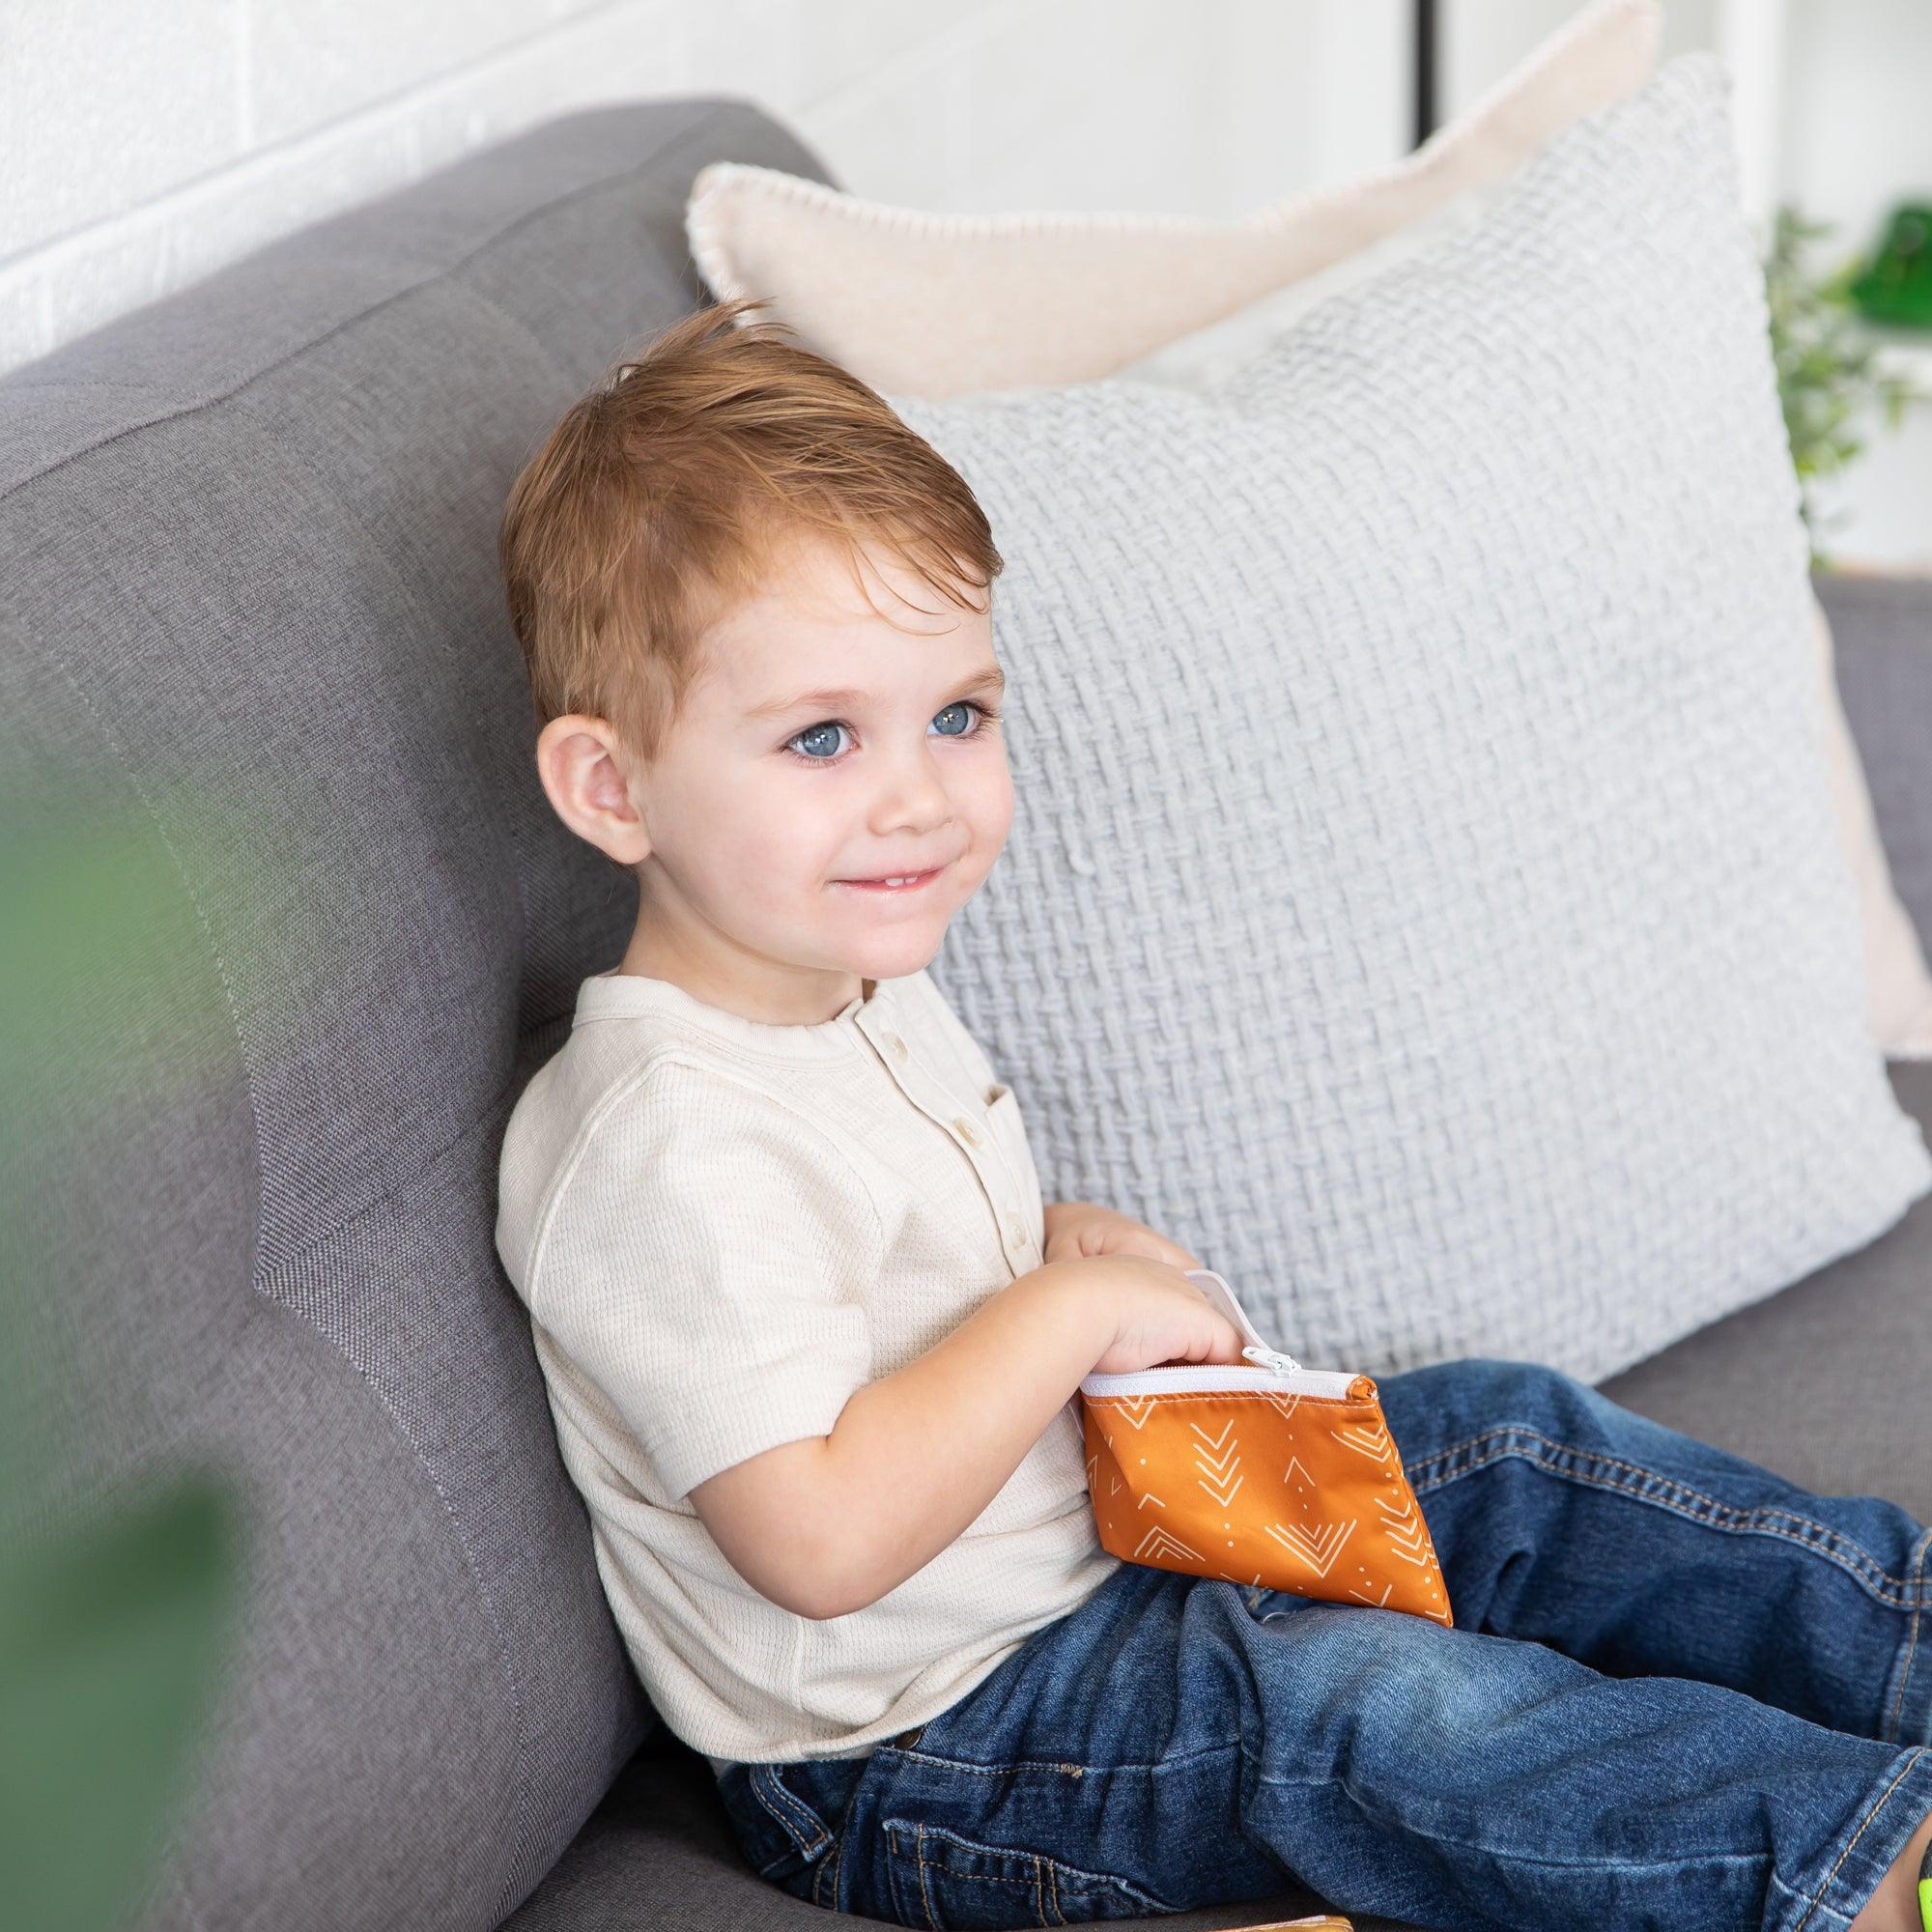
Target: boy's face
(770, 806)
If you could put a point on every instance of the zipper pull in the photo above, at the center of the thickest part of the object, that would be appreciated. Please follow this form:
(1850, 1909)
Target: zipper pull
(1271, 1359)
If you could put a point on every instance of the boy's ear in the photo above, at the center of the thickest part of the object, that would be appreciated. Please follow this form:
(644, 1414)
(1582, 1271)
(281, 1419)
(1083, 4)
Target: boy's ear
(579, 761)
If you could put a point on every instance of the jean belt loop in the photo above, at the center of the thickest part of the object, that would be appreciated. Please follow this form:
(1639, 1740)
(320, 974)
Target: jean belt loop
(809, 1836)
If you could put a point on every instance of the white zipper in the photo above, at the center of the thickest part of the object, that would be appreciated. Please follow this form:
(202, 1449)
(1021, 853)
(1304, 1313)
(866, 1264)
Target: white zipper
(1273, 1368)
(1221, 1376)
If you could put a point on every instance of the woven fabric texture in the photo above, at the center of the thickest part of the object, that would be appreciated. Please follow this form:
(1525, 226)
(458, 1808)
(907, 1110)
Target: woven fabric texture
(1423, 899)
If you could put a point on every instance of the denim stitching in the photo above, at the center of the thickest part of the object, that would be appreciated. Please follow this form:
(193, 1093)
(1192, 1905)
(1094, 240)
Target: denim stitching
(1032, 1858)
(1074, 1770)
(808, 1820)
(925, 1896)
(1514, 1853)
(791, 1826)
(1046, 1873)
(1879, 1806)
(1910, 1642)
(1044, 1884)
(893, 1852)
(839, 1869)
(1825, 1542)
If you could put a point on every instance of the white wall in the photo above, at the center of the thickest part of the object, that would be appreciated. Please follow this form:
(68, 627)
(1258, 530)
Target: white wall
(145, 142)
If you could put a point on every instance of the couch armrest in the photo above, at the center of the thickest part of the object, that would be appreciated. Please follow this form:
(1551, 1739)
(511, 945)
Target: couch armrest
(1882, 636)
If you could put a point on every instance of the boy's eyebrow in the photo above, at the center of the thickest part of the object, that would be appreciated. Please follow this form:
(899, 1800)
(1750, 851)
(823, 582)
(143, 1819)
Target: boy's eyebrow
(991, 679)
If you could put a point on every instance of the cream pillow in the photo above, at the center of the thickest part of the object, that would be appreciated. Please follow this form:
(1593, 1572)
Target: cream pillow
(927, 305)
(936, 305)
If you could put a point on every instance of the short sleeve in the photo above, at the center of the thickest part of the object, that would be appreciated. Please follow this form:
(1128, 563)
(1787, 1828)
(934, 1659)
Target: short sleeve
(705, 1264)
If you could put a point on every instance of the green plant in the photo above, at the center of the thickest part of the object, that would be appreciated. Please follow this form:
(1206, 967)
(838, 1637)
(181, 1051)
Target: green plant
(1831, 371)
(119, 1605)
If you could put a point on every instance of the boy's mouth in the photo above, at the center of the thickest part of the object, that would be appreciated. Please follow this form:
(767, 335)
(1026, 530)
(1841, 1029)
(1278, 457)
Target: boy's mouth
(898, 882)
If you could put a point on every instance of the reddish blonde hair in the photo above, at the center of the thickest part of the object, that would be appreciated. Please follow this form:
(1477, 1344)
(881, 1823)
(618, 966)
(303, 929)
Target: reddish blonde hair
(665, 496)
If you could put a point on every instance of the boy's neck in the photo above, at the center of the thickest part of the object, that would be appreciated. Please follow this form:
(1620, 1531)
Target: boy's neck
(768, 999)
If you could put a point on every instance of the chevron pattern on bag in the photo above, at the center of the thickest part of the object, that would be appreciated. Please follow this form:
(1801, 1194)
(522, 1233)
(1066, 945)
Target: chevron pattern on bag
(1300, 1493)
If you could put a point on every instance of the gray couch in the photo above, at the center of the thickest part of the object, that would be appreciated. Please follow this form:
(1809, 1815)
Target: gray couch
(248, 537)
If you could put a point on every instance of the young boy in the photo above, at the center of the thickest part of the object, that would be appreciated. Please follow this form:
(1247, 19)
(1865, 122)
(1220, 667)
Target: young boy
(812, 1340)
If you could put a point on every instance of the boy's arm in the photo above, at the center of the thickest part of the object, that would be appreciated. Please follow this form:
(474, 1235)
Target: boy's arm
(827, 1525)
(1086, 1228)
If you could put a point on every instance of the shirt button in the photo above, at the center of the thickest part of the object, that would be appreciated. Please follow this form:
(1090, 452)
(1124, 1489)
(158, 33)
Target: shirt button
(897, 1045)
(963, 1128)
(1016, 1234)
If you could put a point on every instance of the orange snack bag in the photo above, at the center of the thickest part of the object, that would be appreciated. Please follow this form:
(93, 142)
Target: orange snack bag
(1267, 1474)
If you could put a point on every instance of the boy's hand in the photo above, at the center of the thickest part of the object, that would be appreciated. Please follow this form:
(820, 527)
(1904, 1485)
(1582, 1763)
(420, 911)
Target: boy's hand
(1077, 1228)
(1158, 1315)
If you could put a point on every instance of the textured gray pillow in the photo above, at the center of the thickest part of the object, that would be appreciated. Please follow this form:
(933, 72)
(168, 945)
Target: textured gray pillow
(1424, 901)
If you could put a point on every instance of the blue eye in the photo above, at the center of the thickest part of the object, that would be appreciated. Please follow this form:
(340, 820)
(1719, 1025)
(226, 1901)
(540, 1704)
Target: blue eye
(817, 731)
(820, 732)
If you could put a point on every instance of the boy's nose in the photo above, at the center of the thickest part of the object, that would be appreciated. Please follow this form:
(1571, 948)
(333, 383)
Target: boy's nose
(915, 797)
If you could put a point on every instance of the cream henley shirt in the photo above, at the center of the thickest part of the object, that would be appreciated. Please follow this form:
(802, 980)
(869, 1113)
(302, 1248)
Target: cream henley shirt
(721, 1229)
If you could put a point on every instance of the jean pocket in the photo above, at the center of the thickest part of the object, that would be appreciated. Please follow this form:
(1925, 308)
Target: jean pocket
(947, 1882)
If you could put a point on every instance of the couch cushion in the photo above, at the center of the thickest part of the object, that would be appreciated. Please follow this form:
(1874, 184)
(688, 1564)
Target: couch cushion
(252, 638)
(1855, 1336)
(1883, 626)
(1825, 1382)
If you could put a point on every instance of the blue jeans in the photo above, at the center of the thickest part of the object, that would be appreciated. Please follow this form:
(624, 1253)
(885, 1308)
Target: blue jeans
(1681, 1693)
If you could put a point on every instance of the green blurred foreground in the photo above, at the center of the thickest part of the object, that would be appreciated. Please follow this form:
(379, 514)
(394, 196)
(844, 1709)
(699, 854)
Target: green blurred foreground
(117, 1604)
